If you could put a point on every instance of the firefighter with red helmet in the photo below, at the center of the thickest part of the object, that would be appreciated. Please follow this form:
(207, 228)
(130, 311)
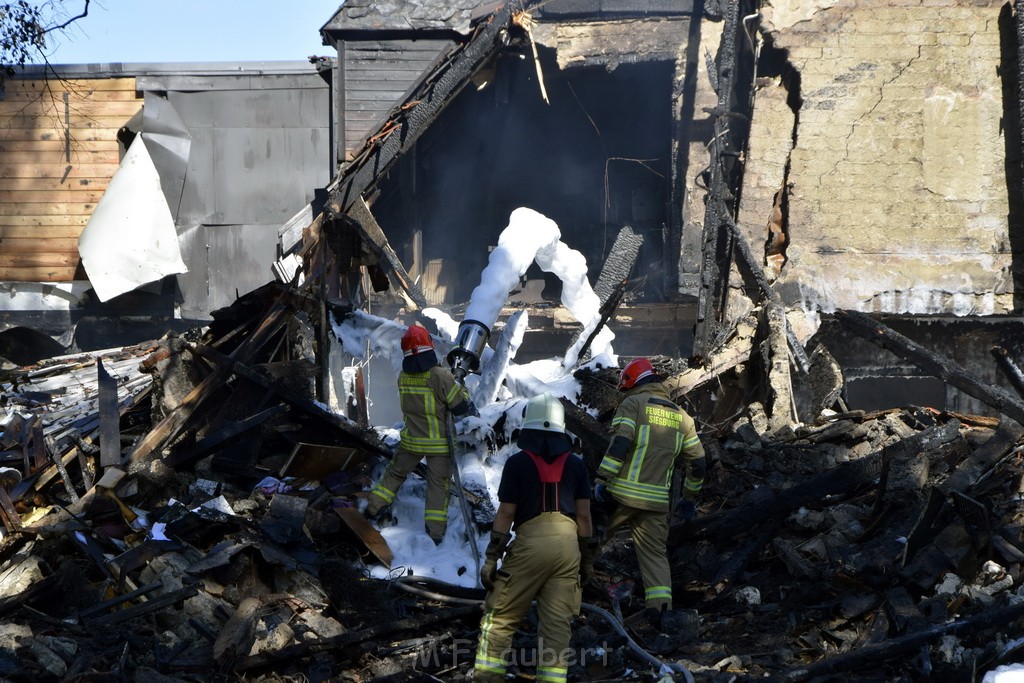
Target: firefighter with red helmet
(544, 495)
(649, 433)
(427, 392)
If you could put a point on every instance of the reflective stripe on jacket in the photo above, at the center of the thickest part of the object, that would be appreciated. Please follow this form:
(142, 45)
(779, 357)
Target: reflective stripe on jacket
(658, 430)
(426, 398)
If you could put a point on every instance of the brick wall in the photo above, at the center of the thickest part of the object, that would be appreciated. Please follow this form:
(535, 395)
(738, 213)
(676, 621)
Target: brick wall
(898, 191)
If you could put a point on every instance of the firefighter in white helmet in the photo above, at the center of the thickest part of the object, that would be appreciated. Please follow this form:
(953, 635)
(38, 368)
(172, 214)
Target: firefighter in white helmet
(427, 392)
(544, 496)
(649, 433)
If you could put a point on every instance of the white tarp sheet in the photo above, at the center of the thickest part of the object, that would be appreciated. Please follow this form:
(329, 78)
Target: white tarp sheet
(130, 238)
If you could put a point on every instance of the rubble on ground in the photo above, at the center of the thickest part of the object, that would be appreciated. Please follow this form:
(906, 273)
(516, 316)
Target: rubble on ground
(225, 541)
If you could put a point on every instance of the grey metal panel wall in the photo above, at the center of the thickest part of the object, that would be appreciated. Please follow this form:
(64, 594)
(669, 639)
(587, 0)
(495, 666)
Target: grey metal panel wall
(224, 261)
(257, 156)
(377, 74)
(260, 148)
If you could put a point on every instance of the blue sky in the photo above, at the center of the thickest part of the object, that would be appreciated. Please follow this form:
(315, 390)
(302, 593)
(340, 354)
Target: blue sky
(192, 31)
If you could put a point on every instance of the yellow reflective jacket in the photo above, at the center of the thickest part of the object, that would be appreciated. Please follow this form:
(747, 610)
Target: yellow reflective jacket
(426, 398)
(657, 431)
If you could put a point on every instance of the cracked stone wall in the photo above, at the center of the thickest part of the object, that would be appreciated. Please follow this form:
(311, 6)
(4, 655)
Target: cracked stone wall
(898, 194)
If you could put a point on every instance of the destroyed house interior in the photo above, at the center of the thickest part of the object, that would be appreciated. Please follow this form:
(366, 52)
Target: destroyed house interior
(802, 220)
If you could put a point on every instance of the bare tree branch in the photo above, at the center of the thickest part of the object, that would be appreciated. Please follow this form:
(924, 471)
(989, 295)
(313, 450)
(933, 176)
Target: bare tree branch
(85, 13)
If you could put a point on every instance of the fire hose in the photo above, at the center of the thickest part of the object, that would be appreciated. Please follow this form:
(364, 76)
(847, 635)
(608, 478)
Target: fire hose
(467, 517)
(442, 591)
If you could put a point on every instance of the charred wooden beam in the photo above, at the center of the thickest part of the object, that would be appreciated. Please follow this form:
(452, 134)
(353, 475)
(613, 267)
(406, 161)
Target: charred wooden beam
(776, 363)
(754, 271)
(591, 433)
(846, 477)
(176, 420)
(984, 458)
(152, 605)
(619, 264)
(935, 365)
(417, 623)
(877, 653)
(212, 441)
(420, 108)
(611, 283)
(717, 244)
(361, 435)
(1009, 368)
(119, 600)
(732, 352)
(371, 233)
(684, 93)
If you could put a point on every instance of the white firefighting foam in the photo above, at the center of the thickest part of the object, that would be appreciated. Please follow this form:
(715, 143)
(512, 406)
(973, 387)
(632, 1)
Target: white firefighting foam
(529, 237)
(532, 237)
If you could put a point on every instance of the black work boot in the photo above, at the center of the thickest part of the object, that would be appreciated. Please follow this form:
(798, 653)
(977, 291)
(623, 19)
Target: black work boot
(381, 517)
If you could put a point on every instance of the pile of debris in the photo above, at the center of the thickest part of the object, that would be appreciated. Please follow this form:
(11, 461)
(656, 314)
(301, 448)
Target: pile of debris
(188, 509)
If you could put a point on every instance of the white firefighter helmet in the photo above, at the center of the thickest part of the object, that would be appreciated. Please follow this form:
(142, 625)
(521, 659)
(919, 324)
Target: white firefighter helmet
(544, 413)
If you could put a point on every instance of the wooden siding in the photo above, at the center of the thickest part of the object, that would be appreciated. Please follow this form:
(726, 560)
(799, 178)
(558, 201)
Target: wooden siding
(47, 194)
(377, 74)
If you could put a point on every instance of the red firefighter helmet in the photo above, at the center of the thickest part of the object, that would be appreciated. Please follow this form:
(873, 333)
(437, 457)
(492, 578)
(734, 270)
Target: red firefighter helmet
(636, 370)
(416, 340)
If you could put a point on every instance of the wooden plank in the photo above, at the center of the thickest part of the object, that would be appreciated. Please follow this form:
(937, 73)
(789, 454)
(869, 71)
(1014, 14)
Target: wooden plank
(366, 117)
(152, 605)
(76, 107)
(370, 537)
(55, 169)
(41, 226)
(74, 85)
(37, 260)
(85, 196)
(373, 234)
(50, 121)
(175, 420)
(57, 145)
(65, 274)
(210, 442)
(69, 209)
(57, 156)
(31, 245)
(78, 133)
(57, 95)
(55, 184)
(417, 624)
(374, 105)
(110, 417)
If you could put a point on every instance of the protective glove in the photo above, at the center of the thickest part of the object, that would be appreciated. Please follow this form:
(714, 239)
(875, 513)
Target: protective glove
(488, 571)
(588, 550)
(685, 510)
(601, 493)
(495, 549)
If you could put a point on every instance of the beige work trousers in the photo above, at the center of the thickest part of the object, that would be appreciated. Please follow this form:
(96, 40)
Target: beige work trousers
(439, 473)
(649, 529)
(542, 563)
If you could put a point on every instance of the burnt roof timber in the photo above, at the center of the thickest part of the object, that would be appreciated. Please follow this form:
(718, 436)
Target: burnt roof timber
(418, 110)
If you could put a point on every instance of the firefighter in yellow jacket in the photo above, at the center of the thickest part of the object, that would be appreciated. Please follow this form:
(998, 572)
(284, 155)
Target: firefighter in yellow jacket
(544, 495)
(649, 432)
(427, 392)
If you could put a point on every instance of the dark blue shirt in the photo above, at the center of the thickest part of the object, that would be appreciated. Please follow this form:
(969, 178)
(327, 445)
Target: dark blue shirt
(521, 486)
